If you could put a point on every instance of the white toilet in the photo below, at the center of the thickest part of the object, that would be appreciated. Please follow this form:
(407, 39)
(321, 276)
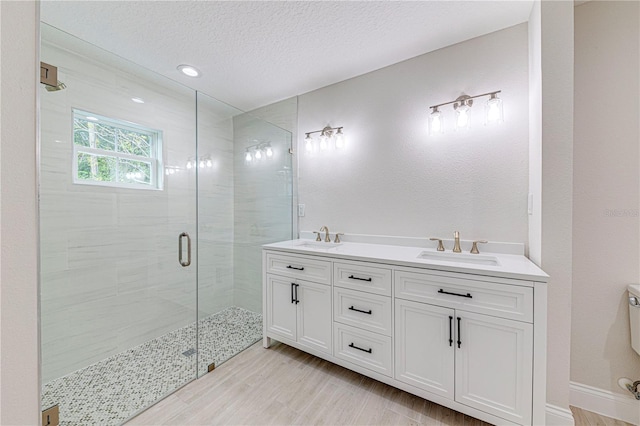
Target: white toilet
(634, 316)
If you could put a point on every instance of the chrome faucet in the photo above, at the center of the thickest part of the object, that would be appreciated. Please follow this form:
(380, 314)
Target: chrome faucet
(456, 245)
(326, 235)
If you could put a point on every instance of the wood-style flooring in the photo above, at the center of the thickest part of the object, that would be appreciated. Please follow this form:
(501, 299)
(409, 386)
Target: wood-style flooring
(285, 386)
(587, 418)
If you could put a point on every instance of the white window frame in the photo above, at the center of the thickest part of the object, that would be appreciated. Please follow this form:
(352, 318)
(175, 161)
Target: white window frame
(155, 160)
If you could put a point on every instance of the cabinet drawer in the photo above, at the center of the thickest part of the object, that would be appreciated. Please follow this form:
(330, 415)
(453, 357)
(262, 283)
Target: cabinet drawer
(301, 267)
(500, 300)
(366, 349)
(363, 310)
(362, 277)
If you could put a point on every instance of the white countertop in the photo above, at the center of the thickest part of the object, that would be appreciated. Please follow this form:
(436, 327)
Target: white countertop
(508, 265)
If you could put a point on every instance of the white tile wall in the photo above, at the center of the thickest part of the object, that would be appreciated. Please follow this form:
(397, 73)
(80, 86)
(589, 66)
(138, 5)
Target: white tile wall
(109, 268)
(263, 197)
(215, 206)
(110, 276)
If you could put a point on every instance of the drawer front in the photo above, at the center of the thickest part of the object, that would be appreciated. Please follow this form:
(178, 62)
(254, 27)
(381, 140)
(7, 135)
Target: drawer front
(499, 300)
(301, 267)
(370, 312)
(362, 277)
(366, 349)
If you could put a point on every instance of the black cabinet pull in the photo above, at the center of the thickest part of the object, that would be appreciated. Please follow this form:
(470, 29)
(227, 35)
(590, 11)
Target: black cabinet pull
(351, 277)
(351, 345)
(351, 308)
(450, 330)
(297, 269)
(293, 298)
(297, 300)
(455, 294)
(459, 341)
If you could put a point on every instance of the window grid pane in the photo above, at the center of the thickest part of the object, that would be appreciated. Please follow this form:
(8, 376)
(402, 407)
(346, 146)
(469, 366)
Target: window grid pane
(115, 152)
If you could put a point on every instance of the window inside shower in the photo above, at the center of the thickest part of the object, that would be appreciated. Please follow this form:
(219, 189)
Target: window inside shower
(113, 152)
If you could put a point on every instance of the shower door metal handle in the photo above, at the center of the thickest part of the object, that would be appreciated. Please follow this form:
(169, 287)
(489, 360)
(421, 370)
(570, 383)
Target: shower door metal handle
(188, 262)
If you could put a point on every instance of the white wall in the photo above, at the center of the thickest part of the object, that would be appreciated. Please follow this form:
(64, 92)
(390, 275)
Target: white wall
(606, 192)
(393, 179)
(19, 363)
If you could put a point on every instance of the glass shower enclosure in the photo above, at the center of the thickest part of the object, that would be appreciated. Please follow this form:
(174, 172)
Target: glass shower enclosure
(154, 202)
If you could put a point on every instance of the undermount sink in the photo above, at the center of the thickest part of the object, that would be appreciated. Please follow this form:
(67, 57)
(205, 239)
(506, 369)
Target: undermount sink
(318, 245)
(475, 259)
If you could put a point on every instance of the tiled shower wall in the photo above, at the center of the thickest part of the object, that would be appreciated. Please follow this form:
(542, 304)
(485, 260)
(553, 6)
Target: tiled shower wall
(215, 206)
(110, 278)
(263, 196)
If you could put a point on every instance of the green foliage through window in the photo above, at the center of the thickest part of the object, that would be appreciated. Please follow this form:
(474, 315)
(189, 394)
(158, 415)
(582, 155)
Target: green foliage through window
(114, 152)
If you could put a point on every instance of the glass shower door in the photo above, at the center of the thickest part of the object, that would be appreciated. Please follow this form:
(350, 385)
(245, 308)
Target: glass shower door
(118, 234)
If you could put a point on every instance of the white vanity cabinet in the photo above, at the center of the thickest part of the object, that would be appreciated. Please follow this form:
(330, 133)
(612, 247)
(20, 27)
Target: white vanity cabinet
(424, 347)
(494, 366)
(447, 347)
(298, 310)
(469, 339)
(362, 315)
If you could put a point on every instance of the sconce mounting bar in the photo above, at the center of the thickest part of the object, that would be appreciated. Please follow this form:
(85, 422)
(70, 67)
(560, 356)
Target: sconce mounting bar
(327, 130)
(465, 98)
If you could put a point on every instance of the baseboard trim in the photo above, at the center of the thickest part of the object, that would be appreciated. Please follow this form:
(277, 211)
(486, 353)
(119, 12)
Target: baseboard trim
(557, 416)
(615, 405)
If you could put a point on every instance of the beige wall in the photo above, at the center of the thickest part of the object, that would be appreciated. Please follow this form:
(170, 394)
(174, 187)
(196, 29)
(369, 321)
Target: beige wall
(606, 186)
(19, 364)
(556, 30)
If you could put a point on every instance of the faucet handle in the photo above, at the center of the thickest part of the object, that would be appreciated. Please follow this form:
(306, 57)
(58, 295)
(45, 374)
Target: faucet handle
(474, 247)
(317, 235)
(337, 239)
(440, 245)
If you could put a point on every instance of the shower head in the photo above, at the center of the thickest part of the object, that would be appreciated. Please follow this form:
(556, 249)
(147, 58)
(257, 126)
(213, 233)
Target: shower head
(55, 88)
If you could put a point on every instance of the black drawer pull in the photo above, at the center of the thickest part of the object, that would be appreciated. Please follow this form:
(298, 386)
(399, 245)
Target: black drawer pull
(455, 294)
(297, 269)
(459, 341)
(450, 330)
(351, 345)
(351, 277)
(369, 312)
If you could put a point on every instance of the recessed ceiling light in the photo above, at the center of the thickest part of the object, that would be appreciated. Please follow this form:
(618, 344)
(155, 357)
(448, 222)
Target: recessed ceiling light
(90, 118)
(188, 70)
(138, 100)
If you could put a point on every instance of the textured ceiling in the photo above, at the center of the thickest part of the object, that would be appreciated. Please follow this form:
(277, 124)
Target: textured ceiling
(255, 53)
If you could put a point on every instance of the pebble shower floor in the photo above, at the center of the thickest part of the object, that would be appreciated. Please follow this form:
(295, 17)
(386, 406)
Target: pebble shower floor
(114, 389)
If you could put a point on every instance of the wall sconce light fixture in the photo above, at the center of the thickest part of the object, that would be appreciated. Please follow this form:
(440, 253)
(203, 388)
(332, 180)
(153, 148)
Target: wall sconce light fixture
(329, 136)
(258, 151)
(462, 107)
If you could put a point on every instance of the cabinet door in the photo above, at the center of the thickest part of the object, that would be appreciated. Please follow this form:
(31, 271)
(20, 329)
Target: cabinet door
(314, 316)
(494, 366)
(424, 346)
(281, 307)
